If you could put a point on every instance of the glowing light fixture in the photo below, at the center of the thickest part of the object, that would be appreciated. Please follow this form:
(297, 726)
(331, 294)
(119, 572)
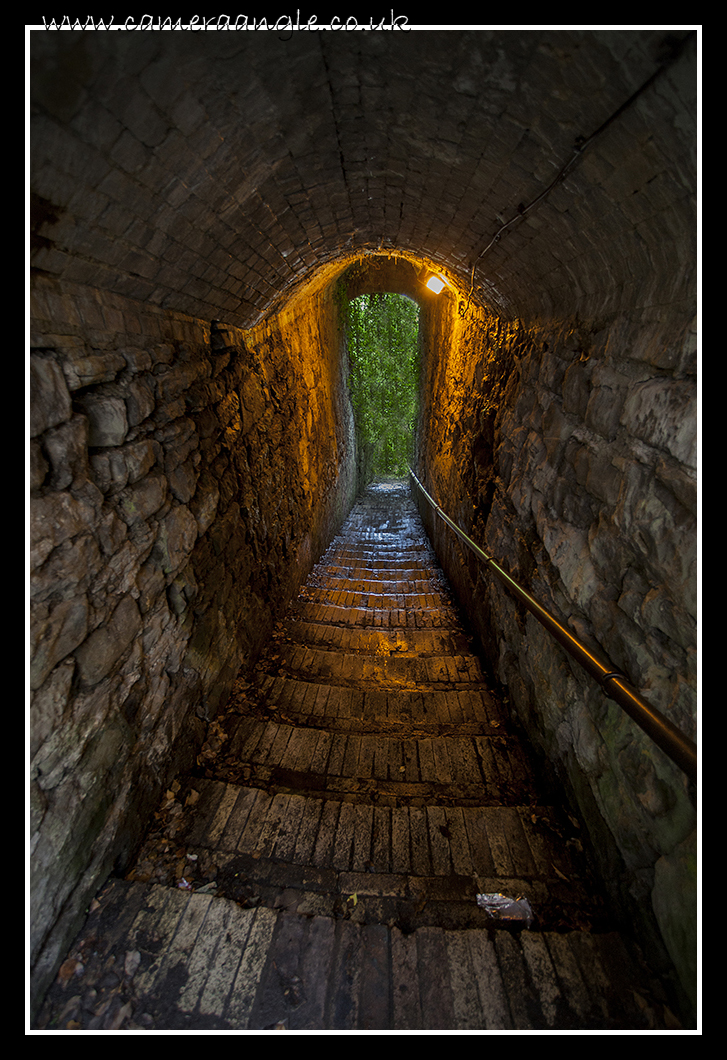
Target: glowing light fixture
(436, 284)
(431, 280)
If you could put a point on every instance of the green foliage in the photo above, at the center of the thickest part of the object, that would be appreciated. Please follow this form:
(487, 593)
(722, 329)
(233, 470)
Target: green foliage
(383, 346)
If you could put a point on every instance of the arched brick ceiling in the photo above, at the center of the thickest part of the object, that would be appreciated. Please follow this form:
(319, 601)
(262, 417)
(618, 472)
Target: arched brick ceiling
(212, 173)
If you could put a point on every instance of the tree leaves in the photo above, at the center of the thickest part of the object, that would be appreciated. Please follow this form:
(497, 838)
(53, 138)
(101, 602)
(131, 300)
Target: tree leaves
(383, 345)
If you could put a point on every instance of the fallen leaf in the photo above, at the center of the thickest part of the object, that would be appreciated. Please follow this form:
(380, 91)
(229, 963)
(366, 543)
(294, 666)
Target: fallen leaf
(68, 970)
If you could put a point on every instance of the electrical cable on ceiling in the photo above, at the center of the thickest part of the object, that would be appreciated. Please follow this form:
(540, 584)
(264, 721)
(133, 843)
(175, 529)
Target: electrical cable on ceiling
(581, 143)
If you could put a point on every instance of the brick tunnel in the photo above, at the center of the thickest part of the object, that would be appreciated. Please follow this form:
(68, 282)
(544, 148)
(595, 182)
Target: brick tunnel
(202, 208)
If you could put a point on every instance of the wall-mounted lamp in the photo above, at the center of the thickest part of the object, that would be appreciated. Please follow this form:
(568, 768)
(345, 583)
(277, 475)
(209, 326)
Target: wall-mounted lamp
(431, 280)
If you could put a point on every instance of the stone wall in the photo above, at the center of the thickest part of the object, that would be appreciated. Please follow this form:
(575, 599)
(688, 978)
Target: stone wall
(184, 478)
(568, 453)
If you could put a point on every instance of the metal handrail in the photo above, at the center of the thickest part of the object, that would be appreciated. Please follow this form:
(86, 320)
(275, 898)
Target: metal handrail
(674, 743)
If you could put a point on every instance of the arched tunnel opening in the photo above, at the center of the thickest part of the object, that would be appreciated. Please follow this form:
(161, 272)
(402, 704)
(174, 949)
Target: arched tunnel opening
(383, 348)
(200, 226)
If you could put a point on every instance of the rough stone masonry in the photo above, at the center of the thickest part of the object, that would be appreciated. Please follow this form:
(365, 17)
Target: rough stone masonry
(184, 479)
(194, 199)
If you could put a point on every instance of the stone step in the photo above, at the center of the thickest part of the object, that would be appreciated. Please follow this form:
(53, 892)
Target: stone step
(396, 899)
(405, 601)
(429, 711)
(379, 641)
(406, 763)
(319, 609)
(500, 843)
(398, 567)
(393, 557)
(383, 671)
(160, 958)
(391, 570)
(379, 586)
